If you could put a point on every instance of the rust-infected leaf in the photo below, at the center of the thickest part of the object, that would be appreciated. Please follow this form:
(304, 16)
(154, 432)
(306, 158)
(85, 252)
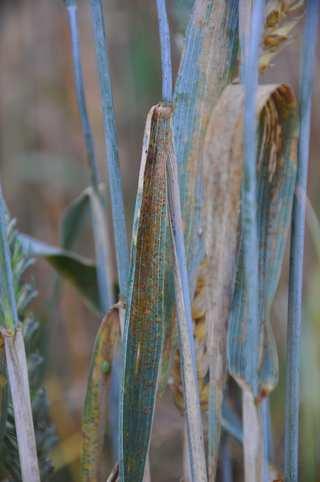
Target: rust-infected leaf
(144, 325)
(96, 402)
(276, 173)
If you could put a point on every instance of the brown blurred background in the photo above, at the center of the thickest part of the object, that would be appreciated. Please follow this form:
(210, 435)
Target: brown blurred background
(43, 167)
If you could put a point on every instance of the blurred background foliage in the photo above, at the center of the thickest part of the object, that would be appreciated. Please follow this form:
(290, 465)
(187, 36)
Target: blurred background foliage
(43, 167)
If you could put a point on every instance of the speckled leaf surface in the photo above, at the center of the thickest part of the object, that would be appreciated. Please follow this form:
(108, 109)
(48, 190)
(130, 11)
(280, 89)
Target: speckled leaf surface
(96, 402)
(208, 64)
(276, 174)
(144, 325)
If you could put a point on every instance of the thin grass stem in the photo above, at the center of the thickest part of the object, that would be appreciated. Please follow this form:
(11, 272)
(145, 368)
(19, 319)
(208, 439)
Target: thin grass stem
(98, 216)
(253, 454)
(297, 246)
(166, 63)
(72, 10)
(249, 200)
(185, 327)
(111, 142)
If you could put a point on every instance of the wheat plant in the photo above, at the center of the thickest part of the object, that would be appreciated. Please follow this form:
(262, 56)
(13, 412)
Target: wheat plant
(222, 187)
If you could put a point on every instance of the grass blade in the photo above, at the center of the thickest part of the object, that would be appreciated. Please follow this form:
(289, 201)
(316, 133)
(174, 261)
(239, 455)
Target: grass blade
(73, 220)
(253, 453)
(249, 199)
(114, 176)
(275, 188)
(276, 106)
(96, 403)
(144, 325)
(207, 66)
(79, 271)
(20, 393)
(80, 92)
(165, 51)
(103, 250)
(185, 328)
(297, 247)
(222, 173)
(102, 242)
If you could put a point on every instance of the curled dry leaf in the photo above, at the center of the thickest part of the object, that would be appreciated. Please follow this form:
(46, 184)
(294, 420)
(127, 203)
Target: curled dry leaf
(223, 172)
(276, 174)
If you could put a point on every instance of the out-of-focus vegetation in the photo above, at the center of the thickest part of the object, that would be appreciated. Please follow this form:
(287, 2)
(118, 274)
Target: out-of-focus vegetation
(43, 168)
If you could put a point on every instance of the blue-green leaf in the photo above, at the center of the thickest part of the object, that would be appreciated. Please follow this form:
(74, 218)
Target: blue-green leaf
(144, 325)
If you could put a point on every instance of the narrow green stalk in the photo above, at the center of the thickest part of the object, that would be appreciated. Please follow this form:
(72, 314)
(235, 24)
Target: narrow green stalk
(249, 198)
(7, 292)
(80, 92)
(111, 141)
(253, 451)
(166, 63)
(297, 247)
(102, 246)
(185, 328)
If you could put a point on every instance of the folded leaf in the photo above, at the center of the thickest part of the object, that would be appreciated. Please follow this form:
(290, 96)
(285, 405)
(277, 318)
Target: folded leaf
(79, 271)
(222, 173)
(73, 219)
(144, 324)
(96, 402)
(208, 64)
(276, 174)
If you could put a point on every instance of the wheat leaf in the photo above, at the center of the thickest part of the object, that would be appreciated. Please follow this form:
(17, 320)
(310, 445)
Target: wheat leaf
(185, 328)
(79, 271)
(276, 171)
(144, 325)
(297, 246)
(96, 407)
(111, 143)
(222, 173)
(72, 9)
(73, 220)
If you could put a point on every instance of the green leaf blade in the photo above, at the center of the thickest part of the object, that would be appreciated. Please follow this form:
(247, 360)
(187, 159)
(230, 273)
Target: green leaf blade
(144, 327)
